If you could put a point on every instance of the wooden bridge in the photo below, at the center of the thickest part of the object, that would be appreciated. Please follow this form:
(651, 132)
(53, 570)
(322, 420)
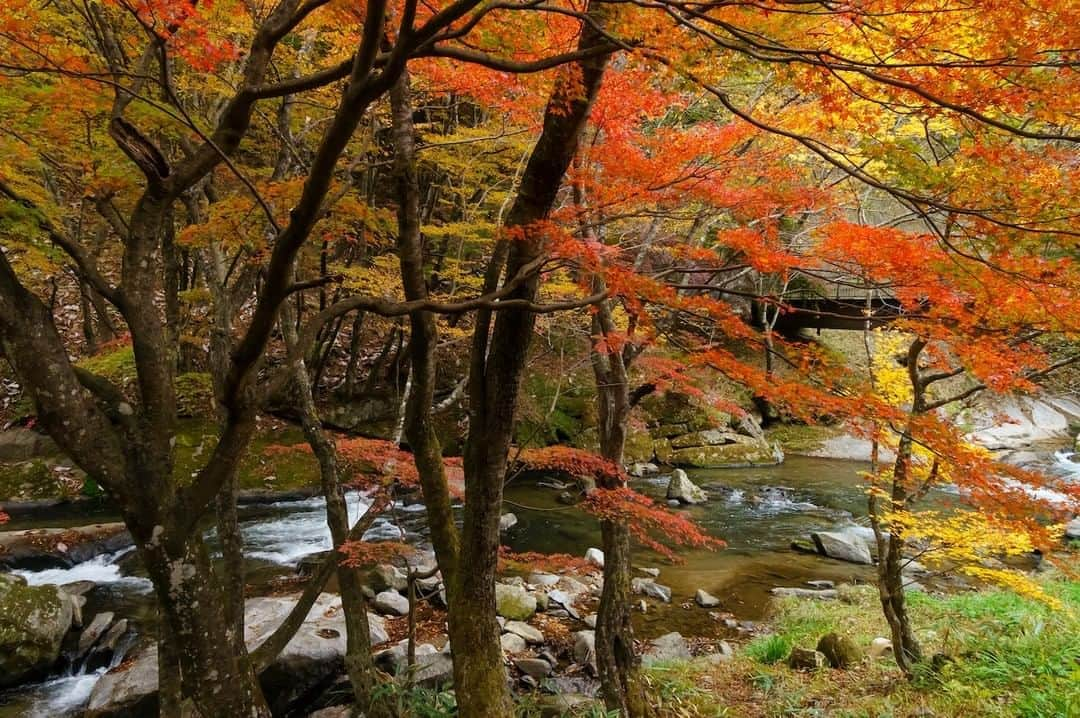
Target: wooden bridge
(836, 303)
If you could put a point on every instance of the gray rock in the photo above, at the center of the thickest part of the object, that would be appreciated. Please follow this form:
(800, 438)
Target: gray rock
(36, 549)
(722, 654)
(33, 622)
(590, 620)
(535, 667)
(649, 571)
(395, 659)
(102, 653)
(559, 597)
(705, 599)
(507, 522)
(803, 659)
(827, 594)
(649, 587)
(78, 588)
(512, 643)
(880, 647)
(842, 546)
(1072, 529)
(130, 689)
(585, 648)
(530, 634)
(434, 670)
(543, 579)
(514, 602)
(93, 632)
(682, 489)
(21, 444)
(391, 603)
(595, 556)
(821, 584)
(668, 647)
(385, 577)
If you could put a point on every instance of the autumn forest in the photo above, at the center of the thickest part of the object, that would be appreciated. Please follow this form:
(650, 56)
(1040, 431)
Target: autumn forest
(492, 358)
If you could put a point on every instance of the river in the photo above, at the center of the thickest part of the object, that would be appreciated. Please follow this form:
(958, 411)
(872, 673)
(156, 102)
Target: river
(758, 512)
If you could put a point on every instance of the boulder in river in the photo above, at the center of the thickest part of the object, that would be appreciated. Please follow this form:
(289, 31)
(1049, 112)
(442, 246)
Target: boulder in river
(682, 489)
(705, 599)
(33, 623)
(842, 546)
(37, 549)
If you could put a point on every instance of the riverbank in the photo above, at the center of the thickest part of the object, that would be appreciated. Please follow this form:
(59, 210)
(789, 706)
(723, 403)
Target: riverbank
(993, 653)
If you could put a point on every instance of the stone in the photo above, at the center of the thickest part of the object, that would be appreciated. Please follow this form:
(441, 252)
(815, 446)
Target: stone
(385, 577)
(722, 654)
(649, 571)
(821, 584)
(37, 549)
(514, 602)
(705, 599)
(507, 522)
(530, 634)
(643, 468)
(566, 498)
(33, 623)
(78, 588)
(535, 667)
(842, 546)
(880, 647)
(395, 659)
(543, 579)
(22, 444)
(803, 659)
(1072, 529)
(839, 651)
(559, 597)
(595, 556)
(682, 489)
(725, 456)
(101, 655)
(93, 632)
(590, 620)
(130, 689)
(391, 603)
(668, 647)
(561, 705)
(642, 606)
(652, 589)
(512, 643)
(826, 594)
(708, 437)
(314, 656)
(434, 670)
(585, 648)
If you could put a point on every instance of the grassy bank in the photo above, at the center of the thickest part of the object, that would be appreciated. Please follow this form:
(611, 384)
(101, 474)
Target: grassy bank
(1007, 656)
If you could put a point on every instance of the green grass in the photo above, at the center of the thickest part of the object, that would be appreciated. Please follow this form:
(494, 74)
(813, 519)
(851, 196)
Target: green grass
(769, 649)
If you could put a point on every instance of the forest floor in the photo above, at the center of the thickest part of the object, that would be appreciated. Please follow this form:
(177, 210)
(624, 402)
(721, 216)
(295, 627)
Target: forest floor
(997, 654)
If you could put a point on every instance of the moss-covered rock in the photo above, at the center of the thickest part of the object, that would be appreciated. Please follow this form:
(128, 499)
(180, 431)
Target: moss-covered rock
(33, 622)
(839, 651)
(729, 455)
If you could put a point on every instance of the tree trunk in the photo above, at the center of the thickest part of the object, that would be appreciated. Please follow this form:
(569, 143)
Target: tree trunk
(216, 674)
(358, 660)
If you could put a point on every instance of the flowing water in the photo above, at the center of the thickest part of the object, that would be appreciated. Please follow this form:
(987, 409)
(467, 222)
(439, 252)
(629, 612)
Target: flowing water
(758, 513)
